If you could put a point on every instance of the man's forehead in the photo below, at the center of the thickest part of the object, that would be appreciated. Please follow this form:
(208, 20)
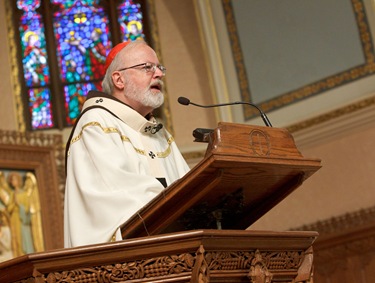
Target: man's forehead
(138, 52)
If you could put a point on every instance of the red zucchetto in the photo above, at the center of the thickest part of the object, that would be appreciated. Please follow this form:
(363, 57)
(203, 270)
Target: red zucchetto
(114, 51)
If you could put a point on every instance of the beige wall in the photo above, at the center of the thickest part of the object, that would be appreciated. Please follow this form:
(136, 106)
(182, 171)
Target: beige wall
(187, 76)
(345, 145)
(345, 183)
(7, 105)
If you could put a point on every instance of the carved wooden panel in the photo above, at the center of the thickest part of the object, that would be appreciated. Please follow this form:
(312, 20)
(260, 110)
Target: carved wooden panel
(194, 256)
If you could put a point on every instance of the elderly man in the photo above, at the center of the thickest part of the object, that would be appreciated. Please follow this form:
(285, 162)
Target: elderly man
(118, 156)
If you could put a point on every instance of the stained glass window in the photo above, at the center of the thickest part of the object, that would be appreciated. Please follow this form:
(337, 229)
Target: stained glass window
(35, 65)
(82, 39)
(130, 20)
(64, 59)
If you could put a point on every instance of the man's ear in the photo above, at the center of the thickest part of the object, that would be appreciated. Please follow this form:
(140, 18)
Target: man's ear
(118, 80)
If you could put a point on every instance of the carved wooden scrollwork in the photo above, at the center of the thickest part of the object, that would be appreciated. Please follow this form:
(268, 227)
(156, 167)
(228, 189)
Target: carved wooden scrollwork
(259, 272)
(256, 265)
(244, 260)
(148, 268)
(200, 272)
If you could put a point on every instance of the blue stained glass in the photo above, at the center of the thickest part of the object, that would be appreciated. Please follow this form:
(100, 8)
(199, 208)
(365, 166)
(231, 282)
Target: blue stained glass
(130, 20)
(40, 108)
(33, 44)
(28, 5)
(82, 34)
(83, 40)
(35, 64)
(75, 95)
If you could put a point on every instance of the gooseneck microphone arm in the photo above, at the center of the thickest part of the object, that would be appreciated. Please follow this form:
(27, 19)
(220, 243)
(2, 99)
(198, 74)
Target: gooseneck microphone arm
(185, 101)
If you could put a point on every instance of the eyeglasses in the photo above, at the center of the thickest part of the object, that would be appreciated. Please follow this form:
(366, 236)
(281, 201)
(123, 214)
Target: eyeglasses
(148, 67)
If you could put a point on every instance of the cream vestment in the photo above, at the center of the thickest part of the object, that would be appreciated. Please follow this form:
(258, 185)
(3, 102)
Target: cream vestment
(116, 163)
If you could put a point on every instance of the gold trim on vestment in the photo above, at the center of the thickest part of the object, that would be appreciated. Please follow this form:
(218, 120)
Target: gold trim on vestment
(109, 130)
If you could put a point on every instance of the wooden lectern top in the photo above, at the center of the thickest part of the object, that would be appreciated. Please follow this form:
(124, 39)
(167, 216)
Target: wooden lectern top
(246, 171)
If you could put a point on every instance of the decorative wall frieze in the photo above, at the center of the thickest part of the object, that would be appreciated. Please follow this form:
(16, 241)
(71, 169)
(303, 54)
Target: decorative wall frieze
(345, 244)
(354, 107)
(335, 124)
(341, 223)
(350, 255)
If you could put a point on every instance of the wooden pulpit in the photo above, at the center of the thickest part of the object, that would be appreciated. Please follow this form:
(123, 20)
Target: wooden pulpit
(246, 171)
(195, 231)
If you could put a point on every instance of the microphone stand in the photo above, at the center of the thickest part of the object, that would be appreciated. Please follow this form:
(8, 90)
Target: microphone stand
(262, 114)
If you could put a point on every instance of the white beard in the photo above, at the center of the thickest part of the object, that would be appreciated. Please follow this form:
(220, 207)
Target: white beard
(146, 98)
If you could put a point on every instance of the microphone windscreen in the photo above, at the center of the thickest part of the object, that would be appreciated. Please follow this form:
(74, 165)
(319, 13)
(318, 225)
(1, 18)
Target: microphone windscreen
(183, 100)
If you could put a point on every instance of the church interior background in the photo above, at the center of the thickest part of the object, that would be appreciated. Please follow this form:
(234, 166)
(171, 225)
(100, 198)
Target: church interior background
(308, 64)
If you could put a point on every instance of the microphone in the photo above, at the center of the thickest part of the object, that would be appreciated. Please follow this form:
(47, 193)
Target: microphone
(185, 101)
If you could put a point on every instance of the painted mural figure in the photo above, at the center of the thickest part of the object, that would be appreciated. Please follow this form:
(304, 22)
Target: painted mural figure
(5, 192)
(5, 237)
(20, 219)
(21, 226)
(31, 189)
(5, 233)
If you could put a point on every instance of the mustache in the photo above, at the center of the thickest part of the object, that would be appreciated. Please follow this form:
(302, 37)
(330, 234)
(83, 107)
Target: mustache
(158, 83)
